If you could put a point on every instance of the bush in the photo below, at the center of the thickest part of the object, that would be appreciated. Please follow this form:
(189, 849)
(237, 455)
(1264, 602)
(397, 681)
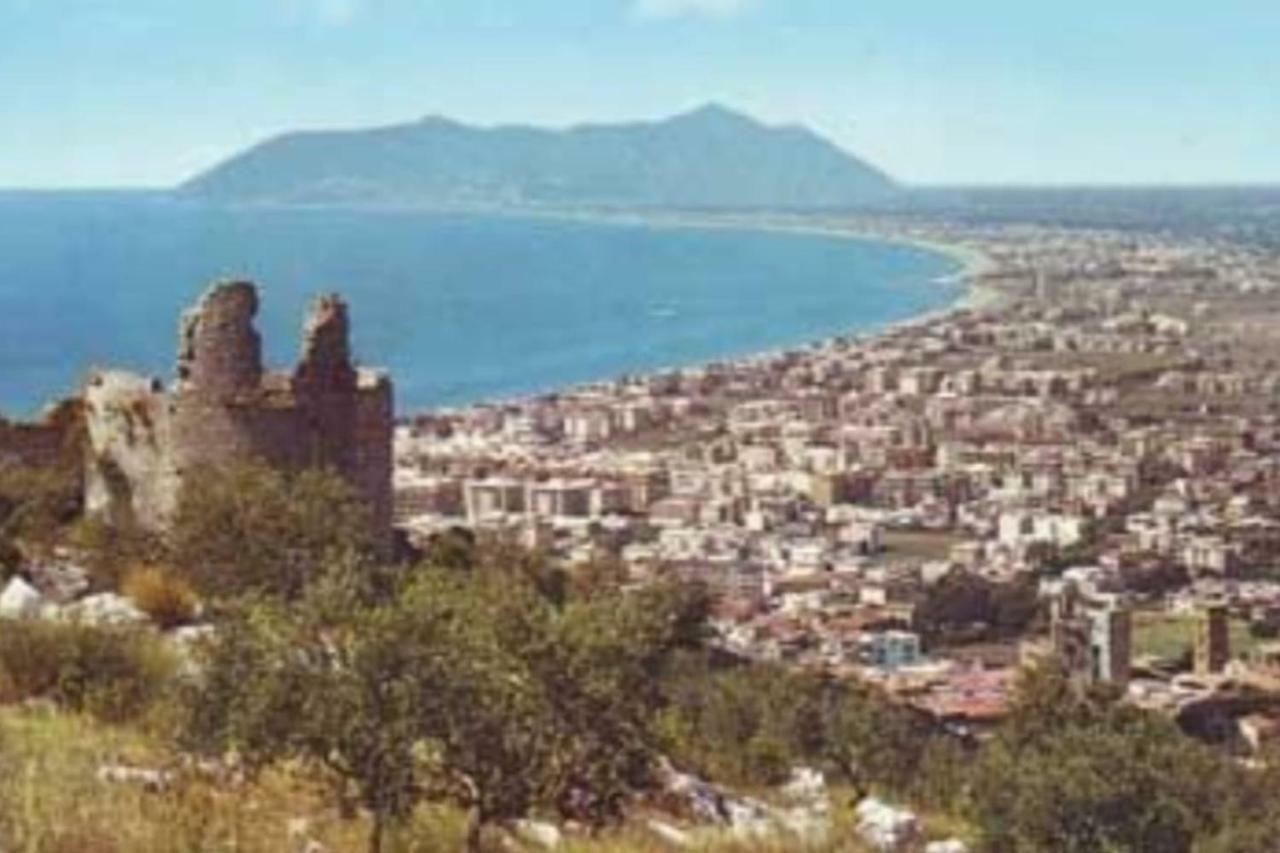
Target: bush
(114, 674)
(168, 600)
(248, 529)
(109, 548)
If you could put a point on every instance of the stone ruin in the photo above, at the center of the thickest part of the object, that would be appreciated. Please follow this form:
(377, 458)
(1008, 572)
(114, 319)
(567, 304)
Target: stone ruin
(41, 443)
(325, 413)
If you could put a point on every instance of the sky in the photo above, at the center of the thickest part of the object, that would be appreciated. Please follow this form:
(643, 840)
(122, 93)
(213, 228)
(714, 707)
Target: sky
(113, 93)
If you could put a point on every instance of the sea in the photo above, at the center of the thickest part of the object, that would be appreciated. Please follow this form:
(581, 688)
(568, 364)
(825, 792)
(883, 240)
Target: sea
(461, 308)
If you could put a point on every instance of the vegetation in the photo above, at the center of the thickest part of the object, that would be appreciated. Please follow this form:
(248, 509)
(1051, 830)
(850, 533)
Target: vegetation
(168, 600)
(35, 503)
(460, 688)
(113, 674)
(1085, 773)
(248, 529)
(423, 707)
(963, 604)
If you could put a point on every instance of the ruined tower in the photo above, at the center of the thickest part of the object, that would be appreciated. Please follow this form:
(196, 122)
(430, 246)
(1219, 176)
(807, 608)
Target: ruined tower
(1212, 645)
(224, 406)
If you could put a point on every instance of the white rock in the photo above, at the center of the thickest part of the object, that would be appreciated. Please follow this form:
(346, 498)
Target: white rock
(951, 845)
(152, 780)
(806, 785)
(106, 608)
(298, 828)
(190, 635)
(671, 835)
(812, 825)
(61, 579)
(748, 818)
(703, 799)
(20, 600)
(538, 832)
(884, 827)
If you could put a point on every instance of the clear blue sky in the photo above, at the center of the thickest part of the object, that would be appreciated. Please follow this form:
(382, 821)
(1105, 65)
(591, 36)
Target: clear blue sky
(145, 92)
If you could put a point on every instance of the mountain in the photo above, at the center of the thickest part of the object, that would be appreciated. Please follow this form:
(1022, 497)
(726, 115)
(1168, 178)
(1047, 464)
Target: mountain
(711, 157)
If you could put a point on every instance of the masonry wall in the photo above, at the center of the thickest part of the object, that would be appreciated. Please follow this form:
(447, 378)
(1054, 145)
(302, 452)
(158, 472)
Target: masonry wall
(226, 407)
(45, 442)
(29, 444)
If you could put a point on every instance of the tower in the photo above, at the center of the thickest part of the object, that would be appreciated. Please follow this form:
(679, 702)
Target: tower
(1212, 647)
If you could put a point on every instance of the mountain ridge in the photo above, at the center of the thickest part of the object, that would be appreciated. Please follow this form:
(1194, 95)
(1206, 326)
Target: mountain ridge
(709, 157)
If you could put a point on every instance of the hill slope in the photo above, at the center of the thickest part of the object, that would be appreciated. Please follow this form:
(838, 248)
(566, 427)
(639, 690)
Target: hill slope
(709, 158)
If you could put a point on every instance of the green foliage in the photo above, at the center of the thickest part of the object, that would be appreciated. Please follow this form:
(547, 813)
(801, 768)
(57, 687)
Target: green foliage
(750, 724)
(35, 505)
(1071, 773)
(962, 601)
(249, 529)
(115, 674)
(463, 687)
(109, 549)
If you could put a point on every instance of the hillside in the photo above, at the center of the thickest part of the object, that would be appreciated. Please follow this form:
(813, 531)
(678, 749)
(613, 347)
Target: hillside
(709, 158)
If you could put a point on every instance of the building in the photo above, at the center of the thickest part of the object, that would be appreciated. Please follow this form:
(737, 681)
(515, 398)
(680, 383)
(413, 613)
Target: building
(1212, 640)
(892, 649)
(1091, 638)
(145, 441)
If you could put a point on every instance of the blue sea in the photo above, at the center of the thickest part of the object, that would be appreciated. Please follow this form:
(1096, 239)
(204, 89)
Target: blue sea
(461, 308)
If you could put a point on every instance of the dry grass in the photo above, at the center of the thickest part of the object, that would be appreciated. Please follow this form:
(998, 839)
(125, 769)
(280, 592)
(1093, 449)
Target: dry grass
(52, 801)
(168, 600)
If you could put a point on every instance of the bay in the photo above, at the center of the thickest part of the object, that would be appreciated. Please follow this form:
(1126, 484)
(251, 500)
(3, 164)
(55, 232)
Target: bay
(459, 307)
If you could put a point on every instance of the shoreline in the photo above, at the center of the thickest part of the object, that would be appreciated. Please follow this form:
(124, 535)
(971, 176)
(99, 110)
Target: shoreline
(972, 262)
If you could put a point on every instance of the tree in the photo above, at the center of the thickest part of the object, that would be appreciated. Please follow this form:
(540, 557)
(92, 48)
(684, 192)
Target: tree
(870, 740)
(962, 600)
(1077, 773)
(248, 528)
(466, 687)
(332, 680)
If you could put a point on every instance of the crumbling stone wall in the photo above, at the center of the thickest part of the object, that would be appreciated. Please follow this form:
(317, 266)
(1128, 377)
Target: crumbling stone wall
(41, 443)
(225, 406)
(128, 467)
(219, 351)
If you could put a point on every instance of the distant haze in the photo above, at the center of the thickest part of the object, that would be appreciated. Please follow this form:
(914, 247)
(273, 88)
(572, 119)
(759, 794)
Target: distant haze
(711, 157)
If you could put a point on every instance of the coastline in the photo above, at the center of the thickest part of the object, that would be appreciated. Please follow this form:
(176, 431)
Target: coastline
(973, 296)
(972, 261)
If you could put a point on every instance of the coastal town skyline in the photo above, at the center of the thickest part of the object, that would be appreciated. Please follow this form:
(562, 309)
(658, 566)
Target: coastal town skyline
(993, 93)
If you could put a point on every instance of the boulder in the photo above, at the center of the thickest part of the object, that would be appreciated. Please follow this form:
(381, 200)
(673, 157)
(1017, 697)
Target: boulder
(669, 834)
(884, 827)
(20, 600)
(806, 785)
(951, 845)
(148, 779)
(543, 834)
(106, 608)
(747, 818)
(810, 824)
(703, 800)
(61, 581)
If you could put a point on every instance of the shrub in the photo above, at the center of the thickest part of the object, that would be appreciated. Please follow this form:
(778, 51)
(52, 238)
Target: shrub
(113, 674)
(168, 600)
(250, 529)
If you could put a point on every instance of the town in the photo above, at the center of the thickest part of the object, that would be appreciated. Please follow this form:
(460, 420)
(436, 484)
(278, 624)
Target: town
(1081, 460)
